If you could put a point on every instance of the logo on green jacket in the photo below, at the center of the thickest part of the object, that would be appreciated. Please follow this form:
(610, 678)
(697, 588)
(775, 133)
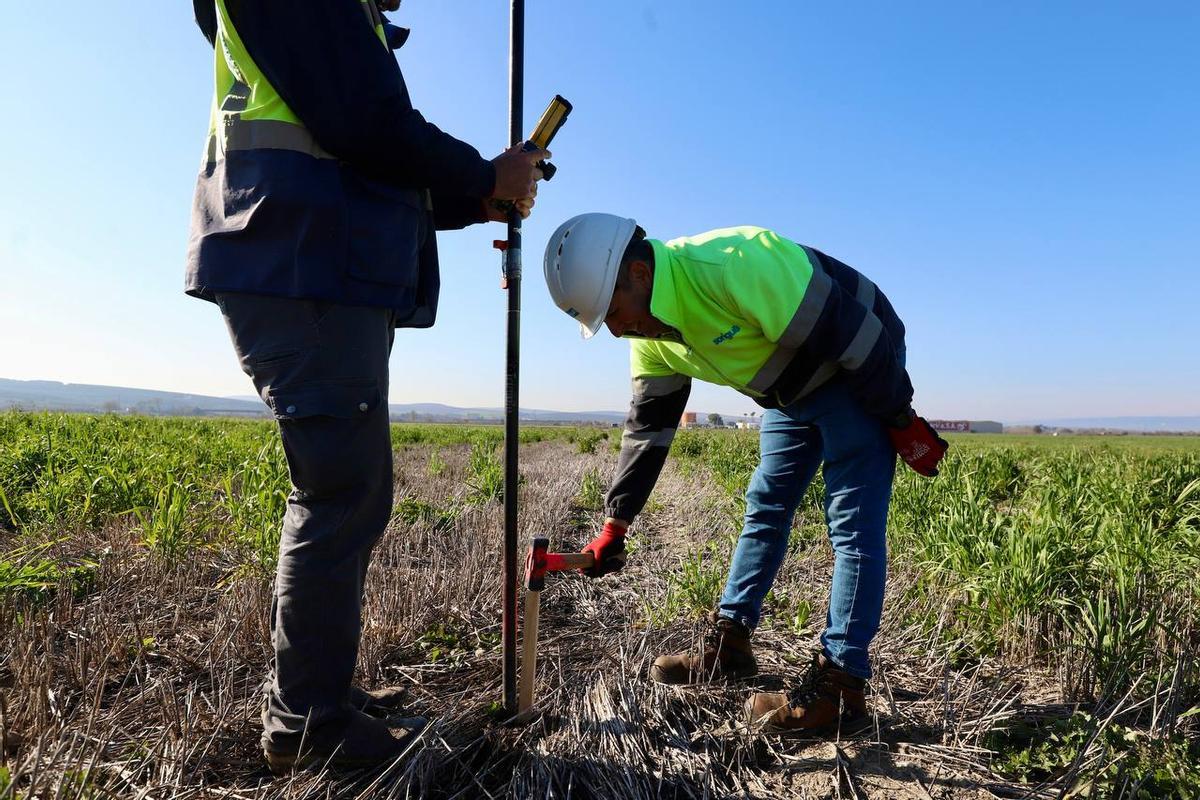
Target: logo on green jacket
(727, 335)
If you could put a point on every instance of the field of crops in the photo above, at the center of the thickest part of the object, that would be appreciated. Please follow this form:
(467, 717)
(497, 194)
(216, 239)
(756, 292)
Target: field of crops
(1039, 639)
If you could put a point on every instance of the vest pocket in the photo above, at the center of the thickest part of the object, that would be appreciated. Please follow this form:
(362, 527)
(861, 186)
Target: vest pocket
(387, 226)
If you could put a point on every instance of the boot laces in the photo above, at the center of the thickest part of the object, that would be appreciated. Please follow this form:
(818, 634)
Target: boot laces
(810, 688)
(714, 638)
(803, 697)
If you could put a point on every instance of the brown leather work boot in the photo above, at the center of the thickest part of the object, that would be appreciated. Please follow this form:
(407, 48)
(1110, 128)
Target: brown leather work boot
(725, 654)
(828, 699)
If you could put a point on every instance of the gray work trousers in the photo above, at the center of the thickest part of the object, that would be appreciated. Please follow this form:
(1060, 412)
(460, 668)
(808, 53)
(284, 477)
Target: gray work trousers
(322, 368)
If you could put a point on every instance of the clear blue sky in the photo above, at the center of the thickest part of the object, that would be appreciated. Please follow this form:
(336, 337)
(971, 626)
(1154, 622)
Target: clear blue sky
(1023, 181)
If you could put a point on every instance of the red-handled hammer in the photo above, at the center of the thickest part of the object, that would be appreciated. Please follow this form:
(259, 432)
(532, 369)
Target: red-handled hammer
(539, 561)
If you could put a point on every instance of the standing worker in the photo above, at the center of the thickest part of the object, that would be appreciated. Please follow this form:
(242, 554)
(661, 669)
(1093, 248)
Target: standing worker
(313, 230)
(816, 344)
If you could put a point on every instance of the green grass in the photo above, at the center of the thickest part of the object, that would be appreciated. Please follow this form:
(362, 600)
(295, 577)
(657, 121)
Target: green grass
(1117, 442)
(1133, 764)
(587, 439)
(1083, 545)
(693, 587)
(420, 433)
(591, 492)
(28, 573)
(411, 511)
(178, 483)
(486, 471)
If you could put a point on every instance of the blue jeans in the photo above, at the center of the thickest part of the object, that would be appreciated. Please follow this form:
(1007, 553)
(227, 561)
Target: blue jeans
(827, 427)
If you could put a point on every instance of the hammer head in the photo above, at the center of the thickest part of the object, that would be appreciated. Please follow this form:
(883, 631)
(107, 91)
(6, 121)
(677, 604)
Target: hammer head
(535, 564)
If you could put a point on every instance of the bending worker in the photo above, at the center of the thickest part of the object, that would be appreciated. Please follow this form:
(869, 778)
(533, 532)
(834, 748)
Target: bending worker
(313, 230)
(816, 344)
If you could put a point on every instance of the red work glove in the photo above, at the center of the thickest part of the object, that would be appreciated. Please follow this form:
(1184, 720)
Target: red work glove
(919, 445)
(608, 549)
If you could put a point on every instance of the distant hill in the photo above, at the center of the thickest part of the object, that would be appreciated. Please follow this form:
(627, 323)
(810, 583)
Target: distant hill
(54, 396)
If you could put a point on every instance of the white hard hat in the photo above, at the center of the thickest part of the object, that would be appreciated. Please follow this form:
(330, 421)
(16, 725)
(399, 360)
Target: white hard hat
(582, 260)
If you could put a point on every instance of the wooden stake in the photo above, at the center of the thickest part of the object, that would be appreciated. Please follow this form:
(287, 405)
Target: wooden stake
(529, 637)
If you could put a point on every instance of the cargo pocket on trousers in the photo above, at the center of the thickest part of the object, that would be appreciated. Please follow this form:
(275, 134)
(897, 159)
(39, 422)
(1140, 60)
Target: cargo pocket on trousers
(344, 399)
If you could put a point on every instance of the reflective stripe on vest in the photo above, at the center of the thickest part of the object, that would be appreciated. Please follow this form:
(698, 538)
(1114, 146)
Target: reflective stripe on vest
(798, 330)
(802, 324)
(865, 293)
(229, 129)
(264, 134)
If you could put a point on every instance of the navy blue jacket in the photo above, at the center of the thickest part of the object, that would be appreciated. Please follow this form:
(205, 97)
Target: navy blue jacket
(359, 228)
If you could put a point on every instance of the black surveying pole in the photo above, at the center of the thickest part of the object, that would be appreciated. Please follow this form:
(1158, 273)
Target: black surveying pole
(512, 367)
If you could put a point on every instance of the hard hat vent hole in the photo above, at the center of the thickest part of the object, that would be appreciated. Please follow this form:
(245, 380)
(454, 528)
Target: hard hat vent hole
(560, 249)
